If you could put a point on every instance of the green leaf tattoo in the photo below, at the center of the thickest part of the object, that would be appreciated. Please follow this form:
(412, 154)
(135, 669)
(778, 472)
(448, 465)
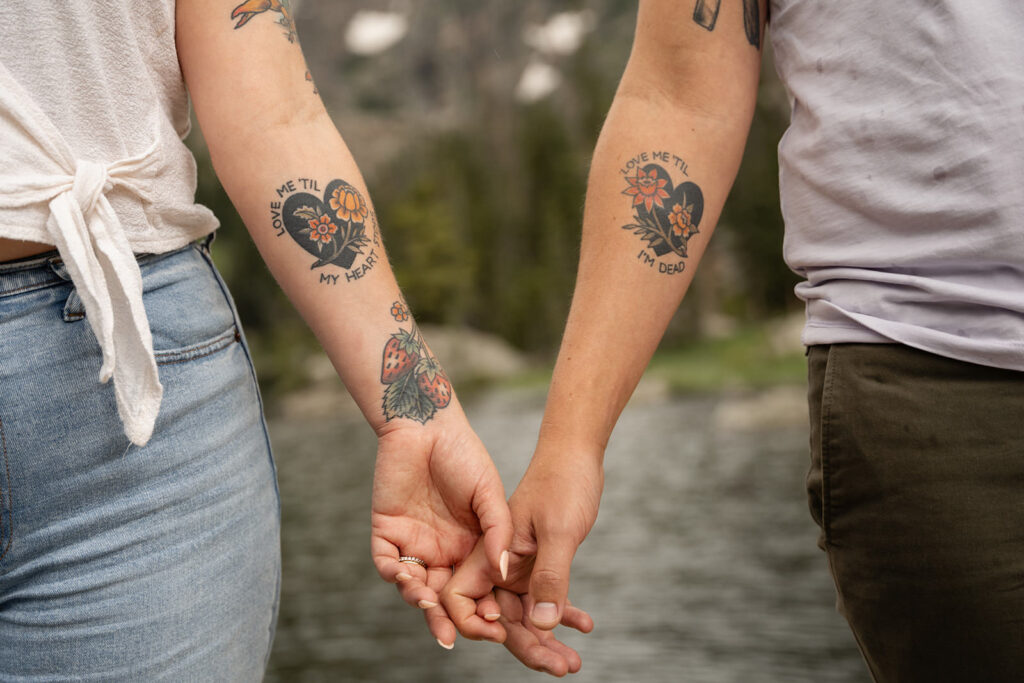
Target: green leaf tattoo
(416, 385)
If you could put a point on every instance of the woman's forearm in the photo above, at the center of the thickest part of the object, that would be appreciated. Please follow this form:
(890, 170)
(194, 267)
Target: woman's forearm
(305, 203)
(300, 193)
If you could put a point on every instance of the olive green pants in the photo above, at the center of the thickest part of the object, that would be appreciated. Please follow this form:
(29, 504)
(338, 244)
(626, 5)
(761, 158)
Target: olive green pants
(917, 483)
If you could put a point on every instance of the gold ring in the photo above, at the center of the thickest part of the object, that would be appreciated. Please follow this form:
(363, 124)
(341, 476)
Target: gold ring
(409, 559)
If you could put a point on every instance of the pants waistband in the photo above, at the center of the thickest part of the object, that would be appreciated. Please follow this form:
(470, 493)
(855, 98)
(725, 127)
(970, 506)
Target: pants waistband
(47, 270)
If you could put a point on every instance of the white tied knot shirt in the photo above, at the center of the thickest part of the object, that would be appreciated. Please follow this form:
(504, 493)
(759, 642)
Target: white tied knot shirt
(94, 246)
(92, 117)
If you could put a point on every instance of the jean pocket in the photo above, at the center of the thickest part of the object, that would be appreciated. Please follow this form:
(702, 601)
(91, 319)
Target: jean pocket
(199, 350)
(189, 315)
(6, 507)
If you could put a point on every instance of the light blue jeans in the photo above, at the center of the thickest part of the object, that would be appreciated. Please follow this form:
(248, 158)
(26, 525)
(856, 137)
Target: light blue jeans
(121, 563)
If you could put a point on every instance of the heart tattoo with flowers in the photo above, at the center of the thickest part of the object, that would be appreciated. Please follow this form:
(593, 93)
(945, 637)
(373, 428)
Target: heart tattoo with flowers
(665, 216)
(331, 228)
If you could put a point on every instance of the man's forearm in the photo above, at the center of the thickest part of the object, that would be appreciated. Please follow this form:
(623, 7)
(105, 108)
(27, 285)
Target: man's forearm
(659, 178)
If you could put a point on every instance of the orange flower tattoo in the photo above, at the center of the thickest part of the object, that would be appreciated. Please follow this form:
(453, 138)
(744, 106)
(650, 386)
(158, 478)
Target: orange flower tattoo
(681, 220)
(349, 204)
(399, 312)
(647, 189)
(322, 229)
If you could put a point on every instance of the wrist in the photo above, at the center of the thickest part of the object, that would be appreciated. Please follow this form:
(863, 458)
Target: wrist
(574, 454)
(444, 423)
(570, 442)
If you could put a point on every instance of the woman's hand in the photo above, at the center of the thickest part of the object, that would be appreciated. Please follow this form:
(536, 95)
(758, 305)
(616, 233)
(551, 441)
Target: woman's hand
(435, 491)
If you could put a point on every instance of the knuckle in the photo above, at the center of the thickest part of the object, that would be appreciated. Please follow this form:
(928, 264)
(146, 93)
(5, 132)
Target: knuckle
(546, 581)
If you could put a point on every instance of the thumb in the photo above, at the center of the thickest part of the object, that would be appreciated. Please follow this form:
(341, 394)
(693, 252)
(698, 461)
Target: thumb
(549, 582)
(496, 524)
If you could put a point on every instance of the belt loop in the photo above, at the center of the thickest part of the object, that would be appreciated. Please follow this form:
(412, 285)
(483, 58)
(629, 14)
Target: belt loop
(74, 309)
(56, 263)
(206, 242)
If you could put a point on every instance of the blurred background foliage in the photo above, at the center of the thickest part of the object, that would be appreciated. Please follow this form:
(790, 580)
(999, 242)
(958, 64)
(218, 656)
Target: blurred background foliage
(473, 122)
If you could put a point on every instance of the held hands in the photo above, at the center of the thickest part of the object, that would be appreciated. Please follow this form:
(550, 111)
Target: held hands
(553, 509)
(438, 497)
(435, 493)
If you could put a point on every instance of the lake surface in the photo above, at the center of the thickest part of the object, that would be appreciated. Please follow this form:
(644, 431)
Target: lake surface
(702, 566)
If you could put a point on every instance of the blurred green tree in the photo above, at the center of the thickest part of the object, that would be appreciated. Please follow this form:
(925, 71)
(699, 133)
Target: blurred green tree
(481, 207)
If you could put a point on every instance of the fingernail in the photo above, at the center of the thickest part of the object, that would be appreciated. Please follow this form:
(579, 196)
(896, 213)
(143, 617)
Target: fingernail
(402, 576)
(545, 612)
(426, 604)
(503, 565)
(492, 617)
(447, 647)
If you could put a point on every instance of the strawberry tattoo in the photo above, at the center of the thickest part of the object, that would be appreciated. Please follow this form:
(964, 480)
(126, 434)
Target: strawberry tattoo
(416, 386)
(433, 383)
(400, 354)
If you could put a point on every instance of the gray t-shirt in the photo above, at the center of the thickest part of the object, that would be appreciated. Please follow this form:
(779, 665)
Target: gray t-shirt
(902, 172)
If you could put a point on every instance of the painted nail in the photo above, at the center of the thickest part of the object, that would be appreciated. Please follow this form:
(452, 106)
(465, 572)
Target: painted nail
(402, 576)
(545, 612)
(426, 604)
(447, 647)
(492, 617)
(503, 565)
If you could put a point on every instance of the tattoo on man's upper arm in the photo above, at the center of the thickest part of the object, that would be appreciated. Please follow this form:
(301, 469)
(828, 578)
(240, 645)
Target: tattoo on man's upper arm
(250, 8)
(416, 386)
(705, 13)
(665, 215)
(332, 227)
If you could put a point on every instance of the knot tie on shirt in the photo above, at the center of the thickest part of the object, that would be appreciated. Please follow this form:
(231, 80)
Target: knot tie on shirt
(90, 183)
(99, 258)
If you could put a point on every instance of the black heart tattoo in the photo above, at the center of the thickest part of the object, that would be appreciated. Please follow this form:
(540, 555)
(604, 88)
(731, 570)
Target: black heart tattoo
(666, 216)
(332, 229)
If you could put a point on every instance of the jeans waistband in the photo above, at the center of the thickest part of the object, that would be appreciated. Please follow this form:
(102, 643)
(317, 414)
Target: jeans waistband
(47, 270)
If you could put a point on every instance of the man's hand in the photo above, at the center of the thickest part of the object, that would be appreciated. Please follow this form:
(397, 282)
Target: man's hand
(553, 509)
(435, 491)
(484, 612)
(538, 649)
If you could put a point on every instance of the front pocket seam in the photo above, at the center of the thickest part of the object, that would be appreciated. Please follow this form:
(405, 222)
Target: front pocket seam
(6, 488)
(199, 351)
(826, 432)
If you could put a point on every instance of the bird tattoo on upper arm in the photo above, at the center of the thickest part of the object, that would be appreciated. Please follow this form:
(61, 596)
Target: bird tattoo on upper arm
(250, 8)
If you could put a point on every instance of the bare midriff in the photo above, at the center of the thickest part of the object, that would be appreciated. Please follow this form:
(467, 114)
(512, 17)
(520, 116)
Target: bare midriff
(11, 250)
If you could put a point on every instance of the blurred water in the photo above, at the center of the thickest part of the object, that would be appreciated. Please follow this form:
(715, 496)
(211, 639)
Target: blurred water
(702, 566)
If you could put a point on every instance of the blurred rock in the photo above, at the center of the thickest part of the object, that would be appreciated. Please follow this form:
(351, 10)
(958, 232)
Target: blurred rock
(778, 407)
(650, 390)
(467, 356)
(539, 80)
(472, 356)
(562, 34)
(784, 334)
(369, 32)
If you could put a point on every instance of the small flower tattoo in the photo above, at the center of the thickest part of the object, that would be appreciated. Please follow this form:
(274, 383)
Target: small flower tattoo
(399, 312)
(322, 229)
